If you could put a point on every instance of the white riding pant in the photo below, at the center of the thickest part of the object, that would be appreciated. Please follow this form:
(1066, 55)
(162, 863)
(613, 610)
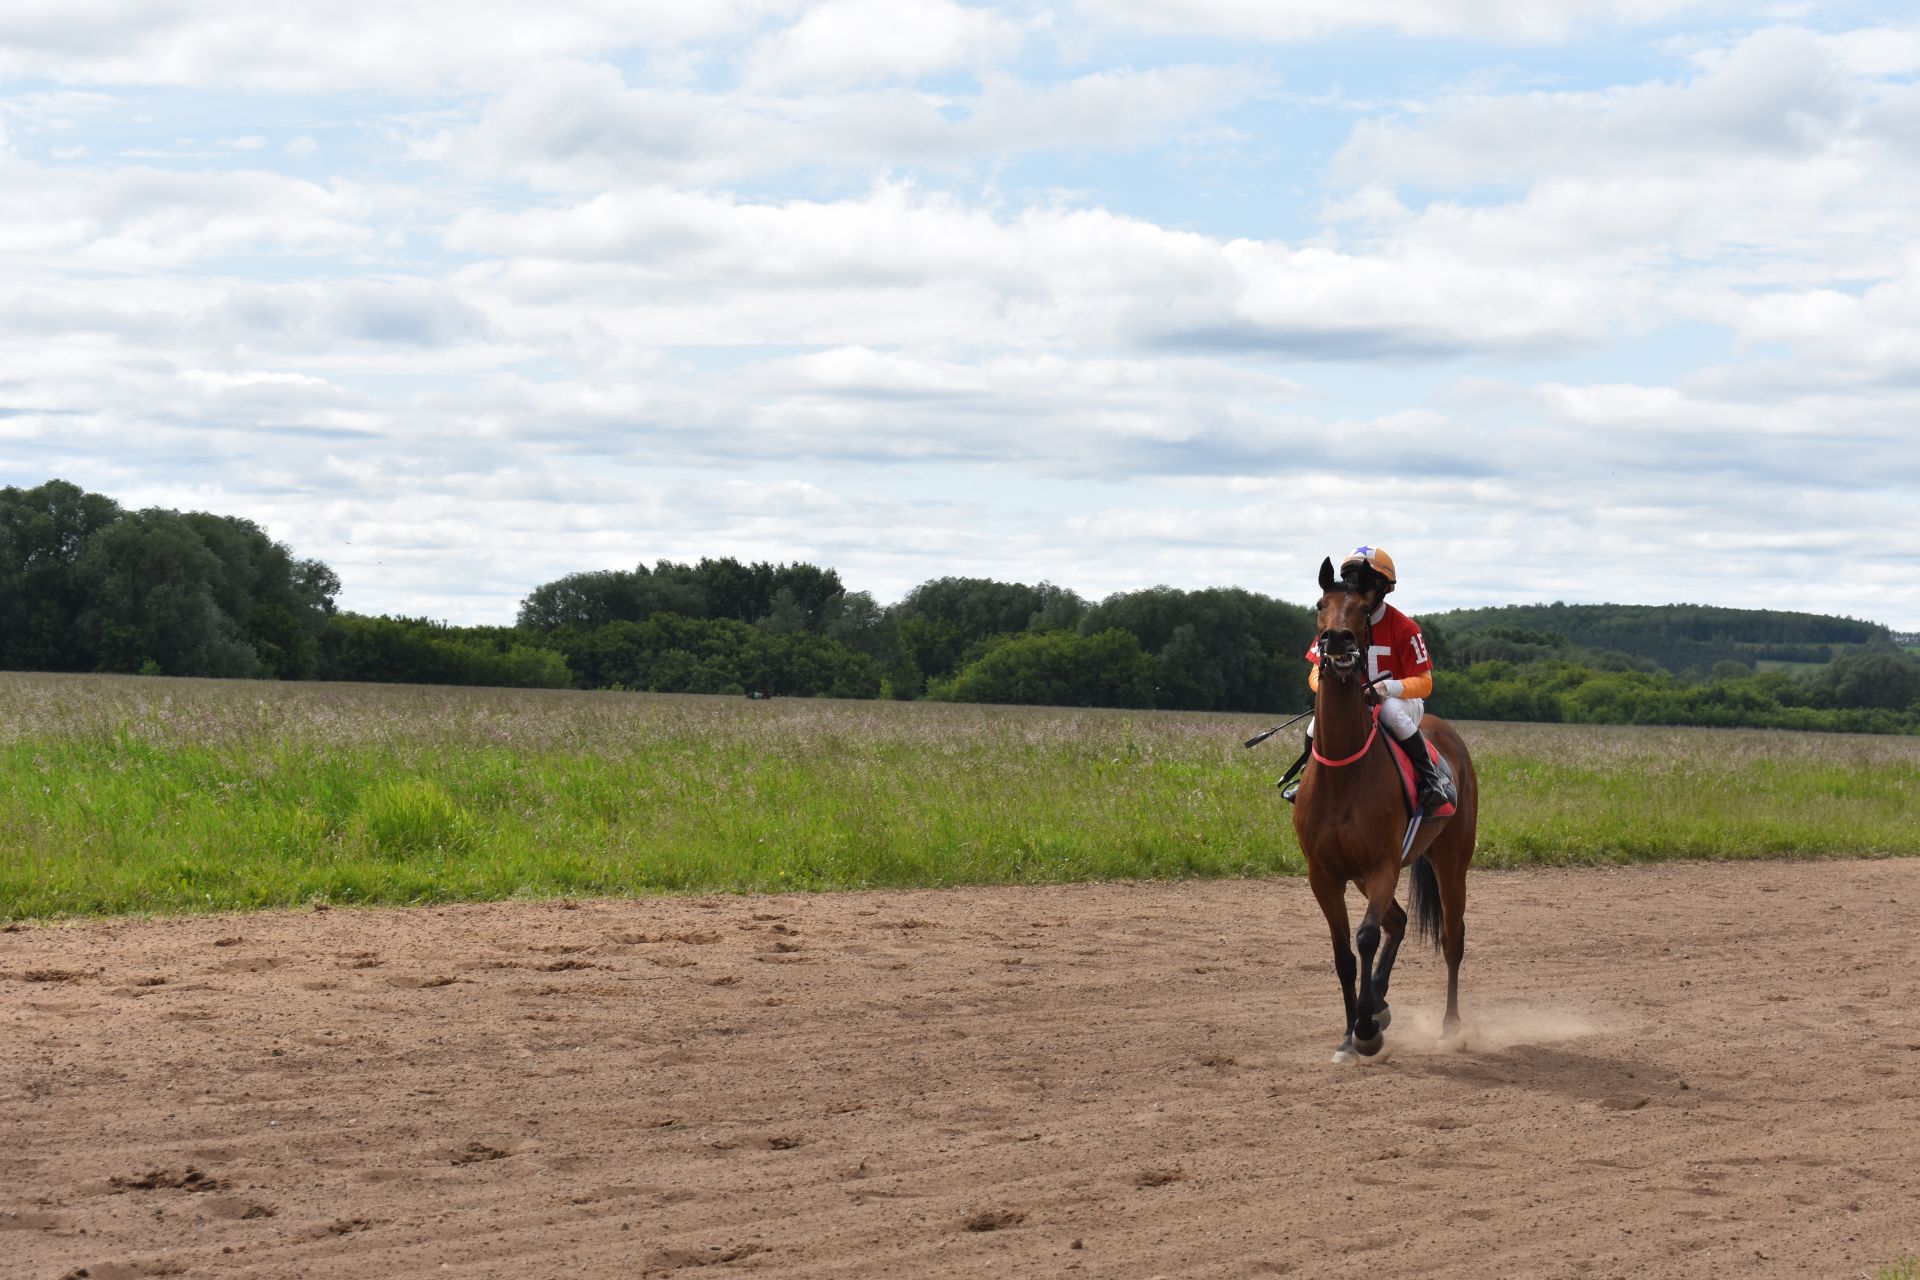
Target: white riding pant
(1402, 717)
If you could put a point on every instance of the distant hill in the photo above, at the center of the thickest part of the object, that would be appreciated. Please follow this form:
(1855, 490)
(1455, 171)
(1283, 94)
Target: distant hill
(1677, 637)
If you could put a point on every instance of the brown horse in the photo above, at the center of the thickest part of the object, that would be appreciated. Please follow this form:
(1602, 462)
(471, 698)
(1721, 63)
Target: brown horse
(1352, 822)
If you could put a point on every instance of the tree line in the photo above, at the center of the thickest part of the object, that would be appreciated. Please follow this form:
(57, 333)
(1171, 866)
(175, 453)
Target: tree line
(1677, 637)
(720, 626)
(86, 585)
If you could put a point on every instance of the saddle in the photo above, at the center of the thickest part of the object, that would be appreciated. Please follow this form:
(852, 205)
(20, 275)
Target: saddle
(1409, 783)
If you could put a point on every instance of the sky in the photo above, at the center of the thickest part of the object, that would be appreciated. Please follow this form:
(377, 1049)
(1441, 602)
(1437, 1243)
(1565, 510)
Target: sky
(1583, 300)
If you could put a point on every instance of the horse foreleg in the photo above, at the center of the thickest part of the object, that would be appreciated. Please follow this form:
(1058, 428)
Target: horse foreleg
(1332, 897)
(1395, 927)
(1367, 1037)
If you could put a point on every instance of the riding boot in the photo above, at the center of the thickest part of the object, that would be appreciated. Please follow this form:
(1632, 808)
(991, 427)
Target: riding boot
(1290, 790)
(1435, 792)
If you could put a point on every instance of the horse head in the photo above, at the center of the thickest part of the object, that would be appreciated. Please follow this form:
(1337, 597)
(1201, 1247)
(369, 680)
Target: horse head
(1341, 622)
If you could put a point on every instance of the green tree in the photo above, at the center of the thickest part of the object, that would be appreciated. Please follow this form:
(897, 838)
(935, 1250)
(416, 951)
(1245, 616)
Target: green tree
(154, 591)
(785, 614)
(672, 654)
(1676, 636)
(808, 588)
(1882, 678)
(1190, 676)
(85, 586)
(931, 647)
(1060, 668)
(42, 532)
(1222, 648)
(388, 650)
(979, 607)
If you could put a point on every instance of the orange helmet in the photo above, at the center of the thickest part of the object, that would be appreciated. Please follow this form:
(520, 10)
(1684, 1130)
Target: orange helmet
(1361, 559)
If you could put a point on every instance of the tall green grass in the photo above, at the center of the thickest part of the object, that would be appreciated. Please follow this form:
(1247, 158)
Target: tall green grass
(122, 794)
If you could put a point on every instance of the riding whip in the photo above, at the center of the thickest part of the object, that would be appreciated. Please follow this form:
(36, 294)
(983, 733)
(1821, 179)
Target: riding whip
(1259, 738)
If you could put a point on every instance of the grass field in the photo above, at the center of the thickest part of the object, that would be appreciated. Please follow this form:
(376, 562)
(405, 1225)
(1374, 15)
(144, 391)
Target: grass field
(124, 794)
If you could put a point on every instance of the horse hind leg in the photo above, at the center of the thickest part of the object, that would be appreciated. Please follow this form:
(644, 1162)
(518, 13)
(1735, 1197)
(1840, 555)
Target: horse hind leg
(1453, 945)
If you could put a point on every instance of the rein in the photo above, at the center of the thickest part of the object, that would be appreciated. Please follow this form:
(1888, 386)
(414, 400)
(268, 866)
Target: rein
(1367, 746)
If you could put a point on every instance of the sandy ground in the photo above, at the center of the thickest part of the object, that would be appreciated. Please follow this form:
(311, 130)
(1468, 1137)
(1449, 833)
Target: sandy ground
(1672, 1071)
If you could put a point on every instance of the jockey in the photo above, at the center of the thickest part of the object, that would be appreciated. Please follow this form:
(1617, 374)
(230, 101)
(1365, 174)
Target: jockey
(1398, 664)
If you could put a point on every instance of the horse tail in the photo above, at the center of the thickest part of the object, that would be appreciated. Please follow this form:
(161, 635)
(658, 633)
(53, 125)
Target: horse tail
(1423, 900)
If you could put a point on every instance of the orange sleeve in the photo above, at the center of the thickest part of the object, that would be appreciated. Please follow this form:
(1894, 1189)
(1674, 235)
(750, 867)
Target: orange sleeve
(1313, 677)
(1420, 686)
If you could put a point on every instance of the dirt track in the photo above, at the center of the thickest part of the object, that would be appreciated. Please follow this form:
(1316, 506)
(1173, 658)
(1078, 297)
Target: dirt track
(1673, 1070)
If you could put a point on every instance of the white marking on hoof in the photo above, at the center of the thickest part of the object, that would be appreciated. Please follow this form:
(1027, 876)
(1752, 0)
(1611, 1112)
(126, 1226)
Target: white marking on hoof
(1342, 1056)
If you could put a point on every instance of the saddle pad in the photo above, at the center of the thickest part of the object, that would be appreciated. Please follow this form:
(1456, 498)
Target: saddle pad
(1409, 785)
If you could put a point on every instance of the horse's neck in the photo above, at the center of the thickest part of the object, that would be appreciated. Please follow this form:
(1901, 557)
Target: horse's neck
(1341, 723)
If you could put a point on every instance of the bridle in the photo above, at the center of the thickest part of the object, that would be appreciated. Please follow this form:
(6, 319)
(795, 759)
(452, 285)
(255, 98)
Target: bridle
(1348, 660)
(1343, 671)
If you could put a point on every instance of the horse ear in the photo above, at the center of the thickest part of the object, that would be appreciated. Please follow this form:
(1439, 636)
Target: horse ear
(1327, 580)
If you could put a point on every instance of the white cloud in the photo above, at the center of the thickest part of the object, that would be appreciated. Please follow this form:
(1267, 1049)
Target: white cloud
(841, 43)
(307, 322)
(1778, 94)
(1894, 121)
(1505, 492)
(52, 111)
(579, 126)
(672, 266)
(305, 46)
(1871, 335)
(1303, 20)
(1776, 164)
(595, 284)
(148, 217)
(1625, 493)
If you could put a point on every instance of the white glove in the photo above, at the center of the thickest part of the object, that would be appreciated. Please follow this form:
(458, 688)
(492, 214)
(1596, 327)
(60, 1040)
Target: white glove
(1391, 688)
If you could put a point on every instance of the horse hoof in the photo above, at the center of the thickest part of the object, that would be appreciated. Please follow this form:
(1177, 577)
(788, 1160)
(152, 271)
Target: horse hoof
(1367, 1048)
(1344, 1054)
(1383, 1017)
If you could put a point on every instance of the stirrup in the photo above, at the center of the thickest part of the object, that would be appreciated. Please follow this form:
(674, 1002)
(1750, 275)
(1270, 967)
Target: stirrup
(1436, 794)
(1290, 791)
